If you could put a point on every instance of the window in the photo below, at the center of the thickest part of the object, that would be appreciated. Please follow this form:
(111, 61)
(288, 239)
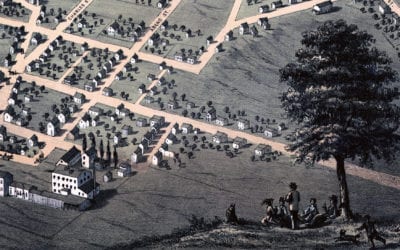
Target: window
(54, 184)
(1, 181)
(58, 177)
(63, 179)
(74, 181)
(54, 190)
(58, 184)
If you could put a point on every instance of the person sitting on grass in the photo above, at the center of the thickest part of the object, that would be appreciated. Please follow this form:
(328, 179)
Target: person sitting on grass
(332, 211)
(282, 213)
(270, 212)
(370, 229)
(311, 217)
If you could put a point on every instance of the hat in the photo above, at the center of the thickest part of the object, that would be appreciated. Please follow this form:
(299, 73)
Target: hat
(293, 185)
(281, 199)
(333, 198)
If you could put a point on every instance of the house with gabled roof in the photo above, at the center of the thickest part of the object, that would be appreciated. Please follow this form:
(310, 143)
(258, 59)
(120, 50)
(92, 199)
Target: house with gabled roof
(239, 142)
(113, 29)
(53, 127)
(262, 149)
(85, 121)
(220, 137)
(244, 28)
(327, 6)
(79, 98)
(70, 158)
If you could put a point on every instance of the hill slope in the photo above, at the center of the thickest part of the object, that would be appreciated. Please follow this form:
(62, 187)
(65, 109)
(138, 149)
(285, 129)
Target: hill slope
(218, 235)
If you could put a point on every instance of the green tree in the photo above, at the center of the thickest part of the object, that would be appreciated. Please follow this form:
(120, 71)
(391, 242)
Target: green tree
(339, 93)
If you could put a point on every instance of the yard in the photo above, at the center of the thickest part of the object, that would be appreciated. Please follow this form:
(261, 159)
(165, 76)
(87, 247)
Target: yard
(89, 66)
(133, 79)
(18, 145)
(56, 62)
(107, 130)
(15, 11)
(8, 33)
(31, 46)
(189, 147)
(203, 19)
(54, 8)
(98, 17)
(43, 104)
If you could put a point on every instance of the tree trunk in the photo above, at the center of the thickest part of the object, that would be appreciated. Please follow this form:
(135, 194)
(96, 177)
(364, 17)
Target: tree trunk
(344, 191)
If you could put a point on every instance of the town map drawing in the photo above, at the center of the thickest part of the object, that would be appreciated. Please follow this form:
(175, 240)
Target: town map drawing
(207, 124)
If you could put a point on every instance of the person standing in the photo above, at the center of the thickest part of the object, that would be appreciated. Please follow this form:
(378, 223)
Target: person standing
(293, 198)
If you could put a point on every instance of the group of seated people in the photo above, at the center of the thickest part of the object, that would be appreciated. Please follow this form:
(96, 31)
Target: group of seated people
(310, 217)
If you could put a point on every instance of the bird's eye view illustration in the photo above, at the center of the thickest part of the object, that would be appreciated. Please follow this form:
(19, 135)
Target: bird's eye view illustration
(199, 124)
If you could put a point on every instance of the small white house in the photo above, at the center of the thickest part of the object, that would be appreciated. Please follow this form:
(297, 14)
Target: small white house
(220, 137)
(239, 142)
(325, 7)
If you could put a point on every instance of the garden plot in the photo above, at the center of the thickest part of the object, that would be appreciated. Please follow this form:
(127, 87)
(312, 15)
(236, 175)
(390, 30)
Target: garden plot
(132, 79)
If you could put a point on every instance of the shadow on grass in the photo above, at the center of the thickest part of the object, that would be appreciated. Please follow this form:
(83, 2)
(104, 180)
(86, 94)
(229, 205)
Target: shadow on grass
(196, 225)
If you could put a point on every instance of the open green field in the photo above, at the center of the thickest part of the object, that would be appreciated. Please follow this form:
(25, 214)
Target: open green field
(121, 10)
(130, 84)
(207, 16)
(158, 200)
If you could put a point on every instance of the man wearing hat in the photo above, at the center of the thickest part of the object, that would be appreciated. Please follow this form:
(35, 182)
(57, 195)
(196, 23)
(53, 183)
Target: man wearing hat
(293, 198)
(332, 211)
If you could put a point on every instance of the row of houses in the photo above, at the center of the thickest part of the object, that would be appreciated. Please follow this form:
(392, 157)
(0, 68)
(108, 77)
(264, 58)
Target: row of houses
(156, 123)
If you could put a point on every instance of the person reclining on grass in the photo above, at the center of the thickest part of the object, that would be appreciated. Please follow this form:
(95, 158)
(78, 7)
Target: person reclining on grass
(332, 211)
(270, 212)
(282, 213)
(311, 217)
(370, 229)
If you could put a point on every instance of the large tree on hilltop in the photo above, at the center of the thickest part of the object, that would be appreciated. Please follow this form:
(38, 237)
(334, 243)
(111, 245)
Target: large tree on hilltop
(340, 93)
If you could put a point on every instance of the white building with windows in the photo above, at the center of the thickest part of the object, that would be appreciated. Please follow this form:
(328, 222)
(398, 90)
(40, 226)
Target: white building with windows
(78, 182)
